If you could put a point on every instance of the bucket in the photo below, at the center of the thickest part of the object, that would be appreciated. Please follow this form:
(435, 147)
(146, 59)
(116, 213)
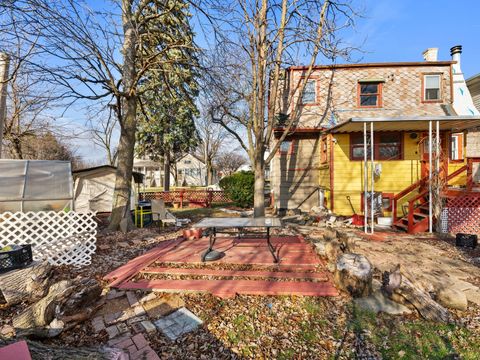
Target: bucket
(384, 221)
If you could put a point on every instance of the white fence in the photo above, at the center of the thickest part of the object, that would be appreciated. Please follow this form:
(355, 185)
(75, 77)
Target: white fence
(62, 238)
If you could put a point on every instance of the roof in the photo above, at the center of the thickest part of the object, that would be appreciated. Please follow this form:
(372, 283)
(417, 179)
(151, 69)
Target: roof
(384, 64)
(475, 79)
(405, 123)
(137, 177)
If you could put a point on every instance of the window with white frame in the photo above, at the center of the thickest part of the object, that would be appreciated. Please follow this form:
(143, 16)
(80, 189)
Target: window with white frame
(456, 146)
(431, 84)
(309, 93)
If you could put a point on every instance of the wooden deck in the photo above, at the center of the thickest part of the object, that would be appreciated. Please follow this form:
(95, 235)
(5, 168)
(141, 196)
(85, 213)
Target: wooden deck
(247, 268)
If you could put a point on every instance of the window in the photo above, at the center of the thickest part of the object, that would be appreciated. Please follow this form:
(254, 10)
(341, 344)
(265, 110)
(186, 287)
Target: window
(388, 146)
(370, 94)
(286, 147)
(431, 84)
(456, 146)
(356, 146)
(309, 94)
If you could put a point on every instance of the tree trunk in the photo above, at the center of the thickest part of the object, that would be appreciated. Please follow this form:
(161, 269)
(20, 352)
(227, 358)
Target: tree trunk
(401, 286)
(166, 171)
(67, 302)
(209, 167)
(28, 283)
(259, 186)
(128, 124)
(4, 65)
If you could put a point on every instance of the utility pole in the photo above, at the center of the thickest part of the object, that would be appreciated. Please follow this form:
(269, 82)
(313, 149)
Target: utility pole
(4, 65)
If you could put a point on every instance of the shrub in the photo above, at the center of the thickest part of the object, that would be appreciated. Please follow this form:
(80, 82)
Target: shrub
(239, 187)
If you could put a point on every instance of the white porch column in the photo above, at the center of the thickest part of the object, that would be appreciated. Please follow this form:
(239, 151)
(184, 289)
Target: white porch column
(372, 165)
(365, 178)
(430, 208)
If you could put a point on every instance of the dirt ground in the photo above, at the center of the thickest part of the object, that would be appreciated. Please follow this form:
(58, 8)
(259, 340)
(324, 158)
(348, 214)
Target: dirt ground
(437, 263)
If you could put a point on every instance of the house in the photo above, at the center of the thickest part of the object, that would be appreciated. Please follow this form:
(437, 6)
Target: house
(94, 187)
(328, 160)
(186, 170)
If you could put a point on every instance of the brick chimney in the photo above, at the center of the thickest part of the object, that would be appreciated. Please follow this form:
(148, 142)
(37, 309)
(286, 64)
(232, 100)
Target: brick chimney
(431, 54)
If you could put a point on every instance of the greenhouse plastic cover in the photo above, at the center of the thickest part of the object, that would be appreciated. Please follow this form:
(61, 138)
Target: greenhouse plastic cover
(35, 185)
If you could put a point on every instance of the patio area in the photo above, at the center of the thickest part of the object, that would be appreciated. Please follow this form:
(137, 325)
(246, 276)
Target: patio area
(247, 268)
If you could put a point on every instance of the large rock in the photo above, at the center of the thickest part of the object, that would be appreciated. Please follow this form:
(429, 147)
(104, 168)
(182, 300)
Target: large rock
(354, 274)
(452, 298)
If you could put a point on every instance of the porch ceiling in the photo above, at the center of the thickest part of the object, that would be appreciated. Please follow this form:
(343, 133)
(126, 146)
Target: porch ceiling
(418, 123)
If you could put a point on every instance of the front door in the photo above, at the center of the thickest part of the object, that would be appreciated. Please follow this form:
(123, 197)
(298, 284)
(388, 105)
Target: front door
(424, 156)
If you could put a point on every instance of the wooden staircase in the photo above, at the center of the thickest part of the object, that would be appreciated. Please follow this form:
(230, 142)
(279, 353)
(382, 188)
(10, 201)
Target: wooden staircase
(417, 218)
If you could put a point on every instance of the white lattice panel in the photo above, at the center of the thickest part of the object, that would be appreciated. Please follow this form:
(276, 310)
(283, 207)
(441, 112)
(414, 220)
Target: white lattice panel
(444, 221)
(62, 238)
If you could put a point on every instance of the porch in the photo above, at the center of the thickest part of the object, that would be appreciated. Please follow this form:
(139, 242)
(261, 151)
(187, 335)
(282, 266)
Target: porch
(247, 268)
(442, 178)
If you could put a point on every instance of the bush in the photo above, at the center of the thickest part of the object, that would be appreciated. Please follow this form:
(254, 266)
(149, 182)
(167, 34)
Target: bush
(238, 187)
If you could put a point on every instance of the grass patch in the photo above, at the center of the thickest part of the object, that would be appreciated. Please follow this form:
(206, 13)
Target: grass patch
(399, 338)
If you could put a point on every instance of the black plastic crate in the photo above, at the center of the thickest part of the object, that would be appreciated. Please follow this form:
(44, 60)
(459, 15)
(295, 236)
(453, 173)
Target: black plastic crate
(466, 240)
(15, 259)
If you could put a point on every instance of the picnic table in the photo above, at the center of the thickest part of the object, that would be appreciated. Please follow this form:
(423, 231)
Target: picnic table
(218, 226)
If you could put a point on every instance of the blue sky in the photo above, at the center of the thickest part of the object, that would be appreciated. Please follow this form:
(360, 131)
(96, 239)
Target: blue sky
(400, 30)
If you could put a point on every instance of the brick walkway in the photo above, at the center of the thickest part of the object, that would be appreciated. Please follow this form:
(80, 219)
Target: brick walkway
(128, 328)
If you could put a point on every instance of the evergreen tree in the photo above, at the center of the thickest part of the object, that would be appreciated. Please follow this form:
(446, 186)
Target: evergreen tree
(167, 106)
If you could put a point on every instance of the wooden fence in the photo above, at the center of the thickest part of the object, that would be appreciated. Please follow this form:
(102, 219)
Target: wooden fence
(194, 198)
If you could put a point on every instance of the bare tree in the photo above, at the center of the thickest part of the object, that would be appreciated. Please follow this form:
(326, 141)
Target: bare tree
(212, 136)
(95, 56)
(266, 36)
(104, 128)
(228, 162)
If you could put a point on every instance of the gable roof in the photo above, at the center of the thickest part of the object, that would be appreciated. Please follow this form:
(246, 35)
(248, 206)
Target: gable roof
(137, 177)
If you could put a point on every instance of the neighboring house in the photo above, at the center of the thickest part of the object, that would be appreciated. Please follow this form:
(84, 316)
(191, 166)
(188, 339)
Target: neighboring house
(322, 161)
(474, 88)
(187, 170)
(94, 187)
(190, 171)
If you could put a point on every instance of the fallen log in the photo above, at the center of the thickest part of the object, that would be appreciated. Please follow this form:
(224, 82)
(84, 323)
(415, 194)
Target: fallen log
(28, 283)
(399, 285)
(59, 309)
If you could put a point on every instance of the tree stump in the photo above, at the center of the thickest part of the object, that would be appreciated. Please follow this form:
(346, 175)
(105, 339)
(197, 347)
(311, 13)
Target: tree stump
(354, 274)
(27, 283)
(401, 286)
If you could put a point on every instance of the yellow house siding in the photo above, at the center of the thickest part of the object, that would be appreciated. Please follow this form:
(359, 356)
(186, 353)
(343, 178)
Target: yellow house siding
(348, 175)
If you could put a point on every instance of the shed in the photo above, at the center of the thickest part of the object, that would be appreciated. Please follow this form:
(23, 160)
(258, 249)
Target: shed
(94, 187)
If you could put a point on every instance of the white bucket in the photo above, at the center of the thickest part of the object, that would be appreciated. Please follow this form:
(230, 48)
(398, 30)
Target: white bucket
(384, 221)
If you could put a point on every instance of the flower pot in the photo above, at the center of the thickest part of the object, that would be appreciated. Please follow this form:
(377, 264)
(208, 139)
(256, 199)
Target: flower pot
(191, 234)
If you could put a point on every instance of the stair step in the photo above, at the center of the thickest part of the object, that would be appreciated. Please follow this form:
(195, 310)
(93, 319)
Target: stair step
(401, 226)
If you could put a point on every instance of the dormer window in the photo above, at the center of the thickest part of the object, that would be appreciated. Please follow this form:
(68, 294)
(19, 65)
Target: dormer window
(309, 93)
(369, 94)
(431, 87)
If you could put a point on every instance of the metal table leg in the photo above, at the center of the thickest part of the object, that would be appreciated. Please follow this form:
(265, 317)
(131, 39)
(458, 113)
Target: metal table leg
(271, 248)
(211, 243)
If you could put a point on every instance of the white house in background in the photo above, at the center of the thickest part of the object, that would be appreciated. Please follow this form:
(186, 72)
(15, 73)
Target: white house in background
(473, 84)
(187, 170)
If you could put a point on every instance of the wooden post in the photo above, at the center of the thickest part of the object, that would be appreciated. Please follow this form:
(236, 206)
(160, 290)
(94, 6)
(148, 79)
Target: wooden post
(4, 65)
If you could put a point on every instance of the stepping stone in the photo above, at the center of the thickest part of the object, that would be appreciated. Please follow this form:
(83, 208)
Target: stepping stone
(149, 327)
(132, 299)
(178, 323)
